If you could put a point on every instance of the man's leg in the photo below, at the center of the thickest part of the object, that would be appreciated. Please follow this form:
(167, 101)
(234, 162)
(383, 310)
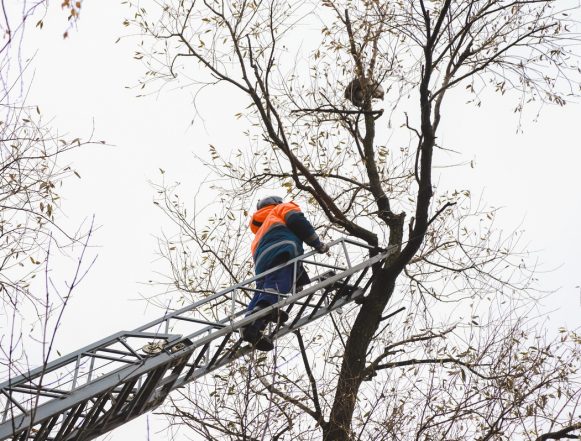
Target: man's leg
(252, 333)
(274, 284)
(278, 282)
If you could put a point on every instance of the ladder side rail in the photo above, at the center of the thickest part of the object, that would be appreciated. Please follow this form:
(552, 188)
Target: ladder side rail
(237, 286)
(348, 240)
(112, 418)
(227, 330)
(29, 404)
(25, 383)
(285, 302)
(283, 331)
(124, 374)
(318, 311)
(58, 363)
(281, 304)
(96, 388)
(123, 408)
(177, 315)
(219, 294)
(222, 322)
(218, 358)
(65, 360)
(140, 334)
(94, 403)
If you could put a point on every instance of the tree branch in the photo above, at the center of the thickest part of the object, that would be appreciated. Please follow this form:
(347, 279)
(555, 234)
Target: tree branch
(311, 378)
(563, 433)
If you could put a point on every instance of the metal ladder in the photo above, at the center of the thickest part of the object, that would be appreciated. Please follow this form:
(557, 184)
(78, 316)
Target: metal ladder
(93, 390)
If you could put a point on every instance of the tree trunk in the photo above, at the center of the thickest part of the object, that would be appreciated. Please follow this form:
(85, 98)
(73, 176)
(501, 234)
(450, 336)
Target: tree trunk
(369, 317)
(354, 360)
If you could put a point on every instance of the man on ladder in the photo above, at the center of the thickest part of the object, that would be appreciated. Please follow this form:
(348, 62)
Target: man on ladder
(280, 229)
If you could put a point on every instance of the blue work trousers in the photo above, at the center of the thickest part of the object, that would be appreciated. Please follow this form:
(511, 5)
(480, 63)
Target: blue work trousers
(280, 281)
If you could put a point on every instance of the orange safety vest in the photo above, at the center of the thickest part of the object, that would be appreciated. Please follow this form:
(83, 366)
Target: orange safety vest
(268, 217)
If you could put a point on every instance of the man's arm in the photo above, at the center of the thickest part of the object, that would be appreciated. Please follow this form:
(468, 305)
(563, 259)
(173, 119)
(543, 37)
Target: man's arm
(296, 221)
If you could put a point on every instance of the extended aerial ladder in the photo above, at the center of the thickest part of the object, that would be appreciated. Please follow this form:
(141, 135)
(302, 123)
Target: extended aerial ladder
(93, 390)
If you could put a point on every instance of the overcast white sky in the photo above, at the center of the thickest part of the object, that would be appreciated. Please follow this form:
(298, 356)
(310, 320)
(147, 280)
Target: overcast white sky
(82, 81)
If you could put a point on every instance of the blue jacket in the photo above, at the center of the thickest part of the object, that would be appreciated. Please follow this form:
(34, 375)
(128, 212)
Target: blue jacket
(280, 232)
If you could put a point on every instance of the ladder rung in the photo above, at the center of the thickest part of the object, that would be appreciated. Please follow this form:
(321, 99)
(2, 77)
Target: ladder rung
(107, 357)
(202, 322)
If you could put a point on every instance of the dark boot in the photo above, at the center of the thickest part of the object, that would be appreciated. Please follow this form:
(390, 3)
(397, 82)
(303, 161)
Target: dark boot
(254, 336)
(277, 316)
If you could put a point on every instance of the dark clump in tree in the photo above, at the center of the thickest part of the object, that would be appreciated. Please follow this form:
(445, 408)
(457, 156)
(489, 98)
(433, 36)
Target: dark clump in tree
(361, 92)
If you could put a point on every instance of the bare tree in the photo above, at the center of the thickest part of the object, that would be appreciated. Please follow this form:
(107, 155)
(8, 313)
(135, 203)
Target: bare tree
(463, 362)
(34, 164)
(31, 223)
